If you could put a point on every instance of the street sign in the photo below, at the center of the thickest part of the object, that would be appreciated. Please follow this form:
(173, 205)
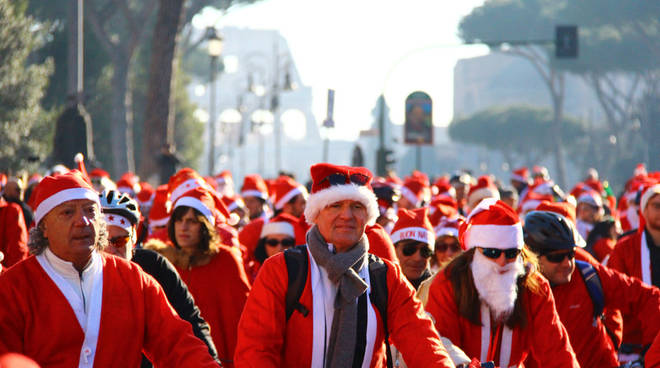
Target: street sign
(328, 122)
(418, 126)
(566, 42)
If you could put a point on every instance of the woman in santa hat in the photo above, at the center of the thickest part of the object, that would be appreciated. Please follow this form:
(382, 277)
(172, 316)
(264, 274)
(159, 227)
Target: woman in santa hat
(213, 272)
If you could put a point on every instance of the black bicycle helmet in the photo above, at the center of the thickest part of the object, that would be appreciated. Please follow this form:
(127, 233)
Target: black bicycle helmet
(545, 230)
(113, 201)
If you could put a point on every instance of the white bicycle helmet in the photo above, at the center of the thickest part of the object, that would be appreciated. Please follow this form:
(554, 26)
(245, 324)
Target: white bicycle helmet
(113, 201)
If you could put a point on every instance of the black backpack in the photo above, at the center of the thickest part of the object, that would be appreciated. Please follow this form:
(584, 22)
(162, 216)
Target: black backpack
(595, 289)
(296, 259)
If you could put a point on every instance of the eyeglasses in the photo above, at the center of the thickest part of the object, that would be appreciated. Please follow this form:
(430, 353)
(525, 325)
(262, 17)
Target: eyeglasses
(339, 179)
(286, 242)
(444, 246)
(120, 241)
(494, 253)
(559, 257)
(411, 248)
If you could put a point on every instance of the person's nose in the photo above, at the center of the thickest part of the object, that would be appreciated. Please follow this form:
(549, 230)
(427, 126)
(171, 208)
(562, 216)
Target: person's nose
(346, 212)
(82, 219)
(501, 260)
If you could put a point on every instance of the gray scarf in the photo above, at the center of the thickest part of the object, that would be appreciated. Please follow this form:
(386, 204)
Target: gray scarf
(342, 269)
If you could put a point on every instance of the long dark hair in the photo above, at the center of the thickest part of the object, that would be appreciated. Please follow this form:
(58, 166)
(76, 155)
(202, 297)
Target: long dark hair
(208, 242)
(467, 297)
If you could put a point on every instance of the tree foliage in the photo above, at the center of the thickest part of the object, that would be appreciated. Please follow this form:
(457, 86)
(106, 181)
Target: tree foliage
(515, 131)
(21, 89)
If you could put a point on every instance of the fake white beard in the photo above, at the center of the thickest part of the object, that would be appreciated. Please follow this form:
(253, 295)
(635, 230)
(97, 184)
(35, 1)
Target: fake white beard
(498, 290)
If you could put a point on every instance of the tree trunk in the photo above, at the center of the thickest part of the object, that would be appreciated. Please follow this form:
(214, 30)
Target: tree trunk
(159, 115)
(122, 120)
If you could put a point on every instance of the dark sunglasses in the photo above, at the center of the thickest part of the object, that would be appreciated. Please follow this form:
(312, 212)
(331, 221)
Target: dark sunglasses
(559, 257)
(120, 241)
(340, 179)
(411, 248)
(494, 253)
(442, 247)
(286, 242)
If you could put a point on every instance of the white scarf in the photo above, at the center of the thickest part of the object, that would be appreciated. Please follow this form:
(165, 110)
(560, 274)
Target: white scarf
(646, 260)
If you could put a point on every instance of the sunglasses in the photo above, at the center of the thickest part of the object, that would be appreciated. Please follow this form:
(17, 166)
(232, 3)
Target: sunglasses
(494, 253)
(559, 257)
(443, 247)
(339, 179)
(286, 242)
(120, 241)
(411, 248)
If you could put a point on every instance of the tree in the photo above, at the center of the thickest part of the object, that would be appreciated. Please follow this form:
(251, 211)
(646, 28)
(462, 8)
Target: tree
(520, 133)
(496, 22)
(21, 89)
(159, 115)
(120, 34)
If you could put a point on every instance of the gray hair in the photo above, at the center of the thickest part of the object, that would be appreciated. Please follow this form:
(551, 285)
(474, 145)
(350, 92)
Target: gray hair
(38, 242)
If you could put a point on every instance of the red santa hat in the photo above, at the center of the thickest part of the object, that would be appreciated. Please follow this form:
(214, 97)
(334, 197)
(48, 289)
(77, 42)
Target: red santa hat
(145, 197)
(521, 174)
(286, 188)
(415, 225)
(591, 197)
(99, 173)
(443, 187)
(393, 179)
(204, 201)
(647, 195)
(563, 208)
(129, 183)
(184, 180)
(492, 224)
(277, 227)
(333, 183)
(640, 170)
(442, 207)
(160, 211)
(55, 190)
(485, 188)
(448, 227)
(233, 202)
(254, 186)
(415, 190)
(211, 182)
(533, 200)
(540, 172)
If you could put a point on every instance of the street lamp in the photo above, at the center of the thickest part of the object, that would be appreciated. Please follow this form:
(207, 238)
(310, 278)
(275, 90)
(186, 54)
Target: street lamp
(214, 44)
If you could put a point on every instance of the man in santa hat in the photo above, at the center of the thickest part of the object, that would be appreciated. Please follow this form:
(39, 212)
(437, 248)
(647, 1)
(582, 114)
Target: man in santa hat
(414, 241)
(491, 302)
(551, 236)
(343, 327)
(638, 255)
(72, 305)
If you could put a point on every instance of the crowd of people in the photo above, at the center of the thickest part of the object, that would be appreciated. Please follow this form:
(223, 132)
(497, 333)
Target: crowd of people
(346, 270)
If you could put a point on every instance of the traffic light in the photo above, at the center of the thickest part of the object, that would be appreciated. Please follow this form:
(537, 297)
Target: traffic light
(385, 160)
(566, 42)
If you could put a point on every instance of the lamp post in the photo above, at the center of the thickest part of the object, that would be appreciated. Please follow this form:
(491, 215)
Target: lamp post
(214, 43)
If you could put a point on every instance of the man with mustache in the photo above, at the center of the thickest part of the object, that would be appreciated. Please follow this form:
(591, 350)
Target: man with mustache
(335, 322)
(72, 305)
(491, 302)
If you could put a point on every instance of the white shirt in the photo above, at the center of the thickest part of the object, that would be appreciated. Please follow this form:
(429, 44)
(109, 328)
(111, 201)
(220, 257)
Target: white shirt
(84, 292)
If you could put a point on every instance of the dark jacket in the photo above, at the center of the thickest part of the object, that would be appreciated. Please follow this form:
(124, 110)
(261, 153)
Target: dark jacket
(177, 294)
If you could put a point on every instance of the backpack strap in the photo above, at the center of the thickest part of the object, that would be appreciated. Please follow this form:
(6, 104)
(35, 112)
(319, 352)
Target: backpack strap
(296, 259)
(378, 280)
(594, 286)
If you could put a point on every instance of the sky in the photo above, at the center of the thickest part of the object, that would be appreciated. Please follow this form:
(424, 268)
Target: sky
(362, 48)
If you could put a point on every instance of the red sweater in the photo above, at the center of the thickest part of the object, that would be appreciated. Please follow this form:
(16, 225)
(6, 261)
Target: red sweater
(544, 338)
(220, 289)
(36, 320)
(267, 339)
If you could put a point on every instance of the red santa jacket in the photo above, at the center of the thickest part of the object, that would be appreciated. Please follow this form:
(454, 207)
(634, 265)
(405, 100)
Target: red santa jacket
(589, 340)
(626, 258)
(13, 233)
(544, 337)
(37, 320)
(220, 289)
(267, 339)
(652, 357)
